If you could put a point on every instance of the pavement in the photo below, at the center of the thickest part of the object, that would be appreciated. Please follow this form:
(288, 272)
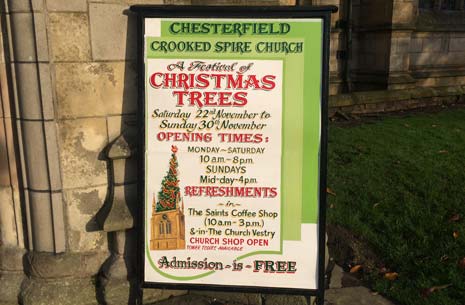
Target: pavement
(344, 289)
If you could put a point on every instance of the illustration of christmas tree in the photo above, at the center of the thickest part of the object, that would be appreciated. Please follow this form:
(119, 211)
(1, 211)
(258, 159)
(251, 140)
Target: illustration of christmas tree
(169, 195)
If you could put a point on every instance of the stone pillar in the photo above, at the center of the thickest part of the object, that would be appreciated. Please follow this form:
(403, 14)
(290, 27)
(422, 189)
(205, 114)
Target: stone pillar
(382, 34)
(403, 18)
(54, 276)
(338, 54)
(36, 127)
(11, 223)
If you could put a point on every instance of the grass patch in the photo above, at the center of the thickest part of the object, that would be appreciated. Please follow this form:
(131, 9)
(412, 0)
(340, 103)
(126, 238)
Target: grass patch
(399, 184)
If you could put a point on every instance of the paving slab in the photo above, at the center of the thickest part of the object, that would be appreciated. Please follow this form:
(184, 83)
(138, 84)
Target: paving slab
(192, 299)
(354, 296)
(336, 277)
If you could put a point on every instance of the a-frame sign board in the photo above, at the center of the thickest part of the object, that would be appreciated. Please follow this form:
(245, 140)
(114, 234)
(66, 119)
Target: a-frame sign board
(233, 112)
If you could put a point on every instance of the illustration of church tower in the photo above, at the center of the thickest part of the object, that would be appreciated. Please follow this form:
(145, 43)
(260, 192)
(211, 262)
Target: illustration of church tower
(167, 224)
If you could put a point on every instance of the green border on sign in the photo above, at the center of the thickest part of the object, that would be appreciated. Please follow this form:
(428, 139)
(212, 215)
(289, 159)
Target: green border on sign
(301, 118)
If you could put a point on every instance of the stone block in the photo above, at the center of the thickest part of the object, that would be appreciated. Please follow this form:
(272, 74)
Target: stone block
(355, 295)
(224, 2)
(50, 266)
(432, 44)
(349, 279)
(13, 238)
(335, 88)
(4, 164)
(35, 155)
(340, 100)
(10, 287)
(120, 218)
(5, 95)
(416, 45)
(67, 5)
(96, 89)
(428, 82)
(51, 143)
(28, 91)
(66, 291)
(329, 2)
(452, 58)
(333, 64)
(119, 149)
(130, 2)
(277, 299)
(117, 292)
(8, 234)
(125, 170)
(69, 36)
(14, 92)
(336, 277)
(81, 207)
(29, 37)
(457, 44)
(235, 297)
(403, 12)
(22, 173)
(376, 97)
(59, 235)
(81, 142)
(448, 91)
(13, 6)
(113, 32)
(383, 15)
(399, 62)
(420, 93)
(48, 112)
(421, 59)
(441, 81)
(188, 299)
(369, 108)
(11, 259)
(41, 218)
(41, 37)
(401, 45)
(336, 41)
(154, 295)
(334, 18)
(24, 5)
(119, 124)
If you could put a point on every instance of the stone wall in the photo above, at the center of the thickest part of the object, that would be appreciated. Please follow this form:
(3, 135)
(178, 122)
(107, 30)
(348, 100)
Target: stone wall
(396, 46)
(73, 95)
(73, 88)
(11, 216)
(437, 50)
(69, 100)
(95, 88)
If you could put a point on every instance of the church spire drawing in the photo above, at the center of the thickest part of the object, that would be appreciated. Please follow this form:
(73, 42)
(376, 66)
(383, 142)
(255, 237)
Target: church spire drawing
(167, 222)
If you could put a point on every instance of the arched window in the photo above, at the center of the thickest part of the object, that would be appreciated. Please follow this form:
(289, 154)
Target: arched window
(161, 227)
(168, 227)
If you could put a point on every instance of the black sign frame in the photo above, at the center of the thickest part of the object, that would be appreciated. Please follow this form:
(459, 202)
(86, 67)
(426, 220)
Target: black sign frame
(276, 12)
